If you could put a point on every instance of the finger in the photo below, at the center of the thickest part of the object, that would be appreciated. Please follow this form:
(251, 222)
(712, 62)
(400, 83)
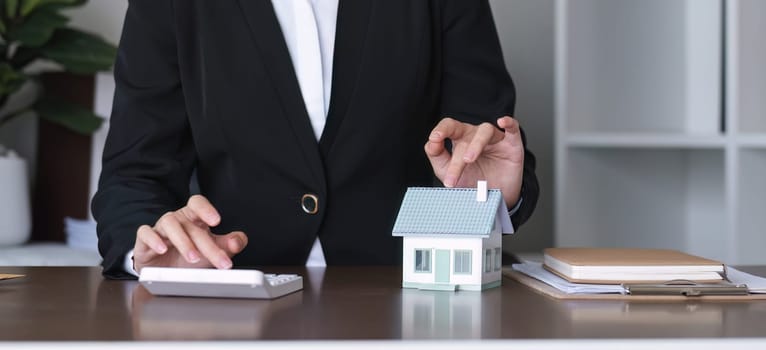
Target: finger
(233, 242)
(510, 125)
(151, 239)
(486, 133)
(447, 128)
(512, 130)
(198, 208)
(438, 156)
(206, 244)
(169, 226)
(454, 168)
(513, 138)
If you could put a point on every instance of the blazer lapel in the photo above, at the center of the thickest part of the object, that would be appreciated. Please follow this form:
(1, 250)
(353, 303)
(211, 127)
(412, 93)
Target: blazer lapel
(351, 32)
(270, 43)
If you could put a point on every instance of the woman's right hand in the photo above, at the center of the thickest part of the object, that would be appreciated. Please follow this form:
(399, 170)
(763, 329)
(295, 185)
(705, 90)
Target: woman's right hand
(182, 238)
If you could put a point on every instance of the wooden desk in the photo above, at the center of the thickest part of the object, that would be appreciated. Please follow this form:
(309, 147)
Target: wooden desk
(348, 303)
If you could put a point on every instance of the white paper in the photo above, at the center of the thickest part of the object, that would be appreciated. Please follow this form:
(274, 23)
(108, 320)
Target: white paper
(536, 270)
(754, 283)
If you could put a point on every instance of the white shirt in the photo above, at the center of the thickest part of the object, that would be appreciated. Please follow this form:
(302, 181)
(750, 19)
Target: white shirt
(309, 30)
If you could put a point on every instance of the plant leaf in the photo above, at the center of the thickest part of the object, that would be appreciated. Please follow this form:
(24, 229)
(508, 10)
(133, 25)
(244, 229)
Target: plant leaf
(80, 52)
(29, 6)
(24, 56)
(68, 115)
(37, 29)
(2, 26)
(10, 79)
(11, 6)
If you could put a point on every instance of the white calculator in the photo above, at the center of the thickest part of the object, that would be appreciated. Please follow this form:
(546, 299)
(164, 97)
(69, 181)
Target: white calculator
(214, 283)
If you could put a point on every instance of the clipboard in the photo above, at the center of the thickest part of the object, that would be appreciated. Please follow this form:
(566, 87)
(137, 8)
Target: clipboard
(552, 292)
(4, 276)
(686, 288)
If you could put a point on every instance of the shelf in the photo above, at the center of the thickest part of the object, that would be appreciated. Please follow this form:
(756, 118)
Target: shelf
(754, 141)
(666, 198)
(638, 140)
(643, 155)
(751, 221)
(640, 66)
(747, 72)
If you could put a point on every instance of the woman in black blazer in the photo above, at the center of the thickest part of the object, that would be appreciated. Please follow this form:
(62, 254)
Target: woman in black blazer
(208, 86)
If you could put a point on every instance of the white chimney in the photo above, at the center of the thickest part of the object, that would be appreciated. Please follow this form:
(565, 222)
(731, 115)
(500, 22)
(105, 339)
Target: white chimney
(481, 191)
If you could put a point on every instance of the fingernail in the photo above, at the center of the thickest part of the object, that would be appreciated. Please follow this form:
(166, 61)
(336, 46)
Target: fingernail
(193, 257)
(238, 242)
(213, 217)
(161, 248)
(468, 157)
(449, 181)
(225, 263)
(434, 135)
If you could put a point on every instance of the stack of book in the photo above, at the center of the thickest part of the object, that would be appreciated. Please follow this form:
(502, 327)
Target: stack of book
(618, 266)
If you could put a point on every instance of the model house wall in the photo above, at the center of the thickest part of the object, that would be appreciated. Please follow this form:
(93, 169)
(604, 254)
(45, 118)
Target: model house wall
(480, 273)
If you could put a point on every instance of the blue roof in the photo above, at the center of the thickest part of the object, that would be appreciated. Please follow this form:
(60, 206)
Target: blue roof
(449, 211)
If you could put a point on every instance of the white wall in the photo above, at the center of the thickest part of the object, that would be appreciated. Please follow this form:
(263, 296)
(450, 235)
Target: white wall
(526, 29)
(104, 17)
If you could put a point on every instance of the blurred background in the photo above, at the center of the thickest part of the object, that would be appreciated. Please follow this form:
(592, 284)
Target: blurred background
(648, 120)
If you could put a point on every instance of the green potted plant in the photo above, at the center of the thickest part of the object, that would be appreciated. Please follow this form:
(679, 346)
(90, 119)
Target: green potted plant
(35, 39)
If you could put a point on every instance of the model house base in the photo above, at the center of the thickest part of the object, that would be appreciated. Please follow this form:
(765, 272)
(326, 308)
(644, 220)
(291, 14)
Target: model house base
(450, 287)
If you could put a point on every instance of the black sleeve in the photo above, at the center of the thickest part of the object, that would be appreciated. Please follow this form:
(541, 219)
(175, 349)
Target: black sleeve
(476, 86)
(149, 154)
(530, 189)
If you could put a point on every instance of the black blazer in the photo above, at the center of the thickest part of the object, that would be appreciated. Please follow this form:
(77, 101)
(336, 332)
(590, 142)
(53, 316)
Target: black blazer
(209, 85)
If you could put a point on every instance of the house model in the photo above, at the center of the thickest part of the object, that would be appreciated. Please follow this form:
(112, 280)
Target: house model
(452, 237)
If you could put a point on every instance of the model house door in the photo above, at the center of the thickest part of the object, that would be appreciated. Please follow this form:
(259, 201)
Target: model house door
(442, 266)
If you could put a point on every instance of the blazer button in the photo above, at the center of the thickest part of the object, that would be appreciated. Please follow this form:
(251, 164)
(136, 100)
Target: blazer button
(310, 203)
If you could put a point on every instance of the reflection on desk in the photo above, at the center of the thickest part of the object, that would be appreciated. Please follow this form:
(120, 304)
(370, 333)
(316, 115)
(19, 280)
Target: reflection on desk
(184, 318)
(424, 314)
(450, 315)
(187, 318)
(671, 319)
(614, 319)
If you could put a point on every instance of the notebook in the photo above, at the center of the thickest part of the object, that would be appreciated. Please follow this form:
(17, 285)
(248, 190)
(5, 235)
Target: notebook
(630, 265)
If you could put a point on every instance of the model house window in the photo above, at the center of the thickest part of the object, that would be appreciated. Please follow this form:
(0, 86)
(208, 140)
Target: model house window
(422, 260)
(488, 260)
(463, 262)
(498, 259)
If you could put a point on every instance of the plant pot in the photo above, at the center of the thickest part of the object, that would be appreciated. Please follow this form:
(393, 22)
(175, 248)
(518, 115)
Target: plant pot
(15, 220)
(62, 183)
